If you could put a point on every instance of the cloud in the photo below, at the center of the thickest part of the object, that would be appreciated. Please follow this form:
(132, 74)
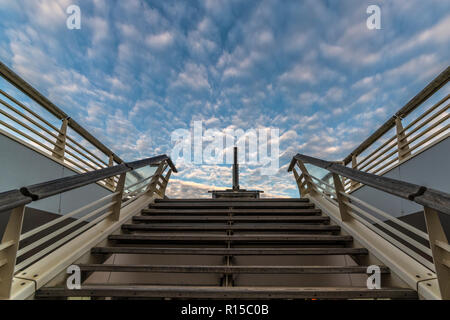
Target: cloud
(428, 66)
(159, 41)
(47, 14)
(300, 73)
(99, 27)
(437, 34)
(193, 76)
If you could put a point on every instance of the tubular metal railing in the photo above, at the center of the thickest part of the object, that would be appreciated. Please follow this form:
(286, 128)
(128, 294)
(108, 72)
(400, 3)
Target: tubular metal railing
(14, 259)
(434, 255)
(384, 150)
(68, 143)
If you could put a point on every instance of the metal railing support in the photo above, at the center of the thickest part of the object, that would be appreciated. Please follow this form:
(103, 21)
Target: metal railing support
(339, 188)
(440, 250)
(298, 180)
(154, 181)
(110, 181)
(8, 250)
(60, 144)
(166, 182)
(437, 83)
(402, 141)
(115, 216)
(309, 183)
(354, 184)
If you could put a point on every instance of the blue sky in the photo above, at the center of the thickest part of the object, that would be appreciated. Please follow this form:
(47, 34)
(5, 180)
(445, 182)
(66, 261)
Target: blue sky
(137, 70)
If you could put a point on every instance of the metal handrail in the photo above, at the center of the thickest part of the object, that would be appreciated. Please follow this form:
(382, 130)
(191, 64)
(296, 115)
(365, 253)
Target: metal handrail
(436, 84)
(34, 94)
(422, 195)
(13, 198)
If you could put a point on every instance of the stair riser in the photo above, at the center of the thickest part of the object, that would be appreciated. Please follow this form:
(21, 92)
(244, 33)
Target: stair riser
(293, 200)
(200, 219)
(230, 270)
(236, 293)
(232, 205)
(228, 213)
(234, 228)
(232, 252)
(252, 243)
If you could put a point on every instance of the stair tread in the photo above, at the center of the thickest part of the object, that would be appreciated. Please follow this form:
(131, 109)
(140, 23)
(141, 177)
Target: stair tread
(252, 218)
(265, 228)
(234, 200)
(205, 226)
(205, 237)
(235, 204)
(149, 291)
(209, 211)
(299, 239)
(228, 269)
(231, 251)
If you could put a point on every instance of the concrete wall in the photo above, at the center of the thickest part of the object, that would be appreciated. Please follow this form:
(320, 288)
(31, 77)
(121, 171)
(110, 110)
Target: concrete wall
(431, 168)
(22, 166)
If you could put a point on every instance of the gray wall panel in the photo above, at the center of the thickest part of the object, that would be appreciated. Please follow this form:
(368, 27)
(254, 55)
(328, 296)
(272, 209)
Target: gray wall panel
(79, 197)
(22, 166)
(430, 168)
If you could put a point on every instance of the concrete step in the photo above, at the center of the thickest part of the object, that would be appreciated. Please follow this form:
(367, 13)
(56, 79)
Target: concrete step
(204, 219)
(238, 212)
(234, 204)
(197, 292)
(225, 227)
(228, 269)
(233, 200)
(231, 251)
(266, 238)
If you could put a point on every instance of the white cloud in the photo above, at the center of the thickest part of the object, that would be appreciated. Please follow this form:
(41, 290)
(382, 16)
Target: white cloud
(420, 67)
(47, 14)
(300, 73)
(437, 34)
(367, 97)
(350, 55)
(160, 41)
(367, 82)
(100, 28)
(128, 30)
(193, 76)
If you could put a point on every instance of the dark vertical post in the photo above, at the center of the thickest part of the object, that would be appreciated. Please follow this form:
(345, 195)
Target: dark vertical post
(235, 171)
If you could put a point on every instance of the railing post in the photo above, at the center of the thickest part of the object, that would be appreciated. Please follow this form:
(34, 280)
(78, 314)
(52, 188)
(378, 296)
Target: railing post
(8, 250)
(439, 246)
(354, 184)
(298, 180)
(153, 182)
(60, 144)
(110, 181)
(309, 182)
(339, 187)
(402, 141)
(115, 216)
(166, 182)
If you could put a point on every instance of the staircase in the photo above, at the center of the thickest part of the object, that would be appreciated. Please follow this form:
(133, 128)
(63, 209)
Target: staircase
(228, 249)
(234, 245)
